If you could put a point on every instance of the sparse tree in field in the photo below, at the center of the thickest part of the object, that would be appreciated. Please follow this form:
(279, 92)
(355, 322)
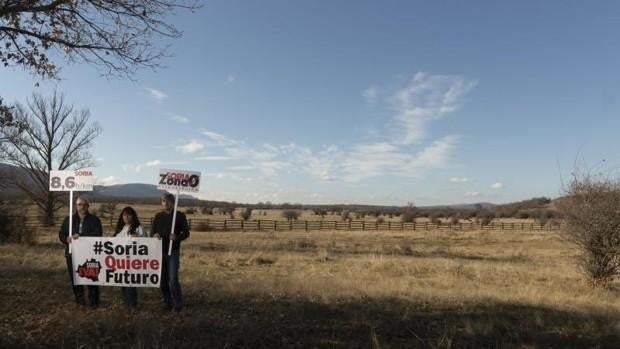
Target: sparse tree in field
(290, 214)
(345, 215)
(591, 211)
(107, 209)
(58, 137)
(409, 214)
(206, 210)
(246, 213)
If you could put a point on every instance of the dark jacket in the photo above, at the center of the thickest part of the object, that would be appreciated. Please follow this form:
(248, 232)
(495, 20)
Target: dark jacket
(162, 224)
(91, 226)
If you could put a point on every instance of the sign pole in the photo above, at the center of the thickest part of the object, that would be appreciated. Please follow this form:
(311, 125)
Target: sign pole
(70, 219)
(174, 218)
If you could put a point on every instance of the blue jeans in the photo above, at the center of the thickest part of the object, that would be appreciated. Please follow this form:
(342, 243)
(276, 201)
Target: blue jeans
(169, 285)
(130, 297)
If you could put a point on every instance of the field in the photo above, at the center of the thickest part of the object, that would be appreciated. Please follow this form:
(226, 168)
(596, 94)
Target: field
(327, 290)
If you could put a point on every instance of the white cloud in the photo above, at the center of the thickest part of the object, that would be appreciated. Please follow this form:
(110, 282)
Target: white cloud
(218, 138)
(370, 94)
(230, 79)
(190, 147)
(213, 158)
(241, 168)
(110, 180)
(178, 118)
(497, 186)
(458, 180)
(153, 163)
(473, 193)
(157, 94)
(427, 97)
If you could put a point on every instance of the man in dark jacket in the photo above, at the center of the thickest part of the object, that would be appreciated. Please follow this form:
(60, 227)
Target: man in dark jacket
(84, 224)
(162, 224)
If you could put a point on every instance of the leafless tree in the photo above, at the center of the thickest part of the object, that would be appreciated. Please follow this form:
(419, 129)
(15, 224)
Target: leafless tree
(118, 36)
(58, 137)
(591, 211)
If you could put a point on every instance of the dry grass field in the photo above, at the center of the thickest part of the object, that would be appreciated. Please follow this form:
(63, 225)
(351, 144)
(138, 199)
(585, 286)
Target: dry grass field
(327, 290)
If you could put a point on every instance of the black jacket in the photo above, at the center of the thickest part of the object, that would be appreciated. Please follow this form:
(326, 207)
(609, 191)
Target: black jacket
(91, 226)
(162, 224)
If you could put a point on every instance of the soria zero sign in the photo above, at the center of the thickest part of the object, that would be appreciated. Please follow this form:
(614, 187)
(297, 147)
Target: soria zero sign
(172, 180)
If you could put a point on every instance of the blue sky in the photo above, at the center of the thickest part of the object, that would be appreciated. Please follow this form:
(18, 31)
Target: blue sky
(377, 102)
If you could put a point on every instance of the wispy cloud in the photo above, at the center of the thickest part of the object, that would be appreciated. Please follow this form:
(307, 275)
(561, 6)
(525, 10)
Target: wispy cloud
(213, 158)
(427, 97)
(157, 94)
(370, 94)
(497, 186)
(110, 180)
(458, 180)
(473, 193)
(192, 146)
(218, 139)
(230, 78)
(178, 118)
(153, 163)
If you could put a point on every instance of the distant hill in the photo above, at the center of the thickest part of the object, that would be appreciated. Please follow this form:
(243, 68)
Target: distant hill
(131, 190)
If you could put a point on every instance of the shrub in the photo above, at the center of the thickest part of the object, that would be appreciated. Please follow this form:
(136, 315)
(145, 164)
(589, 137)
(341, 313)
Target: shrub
(290, 214)
(206, 210)
(592, 218)
(380, 220)
(190, 210)
(246, 213)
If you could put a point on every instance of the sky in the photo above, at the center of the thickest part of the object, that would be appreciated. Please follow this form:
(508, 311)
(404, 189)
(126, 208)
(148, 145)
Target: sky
(368, 102)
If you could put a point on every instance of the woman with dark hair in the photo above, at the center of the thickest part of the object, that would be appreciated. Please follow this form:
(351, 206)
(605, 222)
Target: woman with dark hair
(128, 225)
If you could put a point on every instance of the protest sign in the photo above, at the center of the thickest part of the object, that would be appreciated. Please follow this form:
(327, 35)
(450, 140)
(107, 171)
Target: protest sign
(78, 180)
(179, 180)
(128, 262)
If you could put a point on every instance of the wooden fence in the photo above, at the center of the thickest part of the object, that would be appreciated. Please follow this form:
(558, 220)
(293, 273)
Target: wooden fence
(204, 224)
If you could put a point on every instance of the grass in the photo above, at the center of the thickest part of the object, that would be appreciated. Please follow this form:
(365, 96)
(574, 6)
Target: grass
(327, 290)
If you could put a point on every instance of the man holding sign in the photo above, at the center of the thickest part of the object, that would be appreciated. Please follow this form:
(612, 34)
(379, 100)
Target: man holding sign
(83, 224)
(162, 228)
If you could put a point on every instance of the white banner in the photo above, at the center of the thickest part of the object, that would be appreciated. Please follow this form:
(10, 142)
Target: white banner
(129, 262)
(172, 180)
(78, 180)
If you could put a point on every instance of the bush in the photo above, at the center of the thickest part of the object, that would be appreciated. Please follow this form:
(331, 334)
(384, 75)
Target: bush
(591, 216)
(290, 214)
(206, 210)
(246, 213)
(190, 210)
(380, 220)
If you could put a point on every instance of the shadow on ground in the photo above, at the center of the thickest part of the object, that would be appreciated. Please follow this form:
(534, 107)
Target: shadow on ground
(36, 318)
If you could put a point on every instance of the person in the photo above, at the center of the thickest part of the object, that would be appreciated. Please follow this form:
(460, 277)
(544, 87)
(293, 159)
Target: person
(128, 226)
(162, 224)
(84, 224)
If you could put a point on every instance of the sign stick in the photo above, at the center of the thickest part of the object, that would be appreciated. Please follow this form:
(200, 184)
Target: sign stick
(174, 218)
(70, 218)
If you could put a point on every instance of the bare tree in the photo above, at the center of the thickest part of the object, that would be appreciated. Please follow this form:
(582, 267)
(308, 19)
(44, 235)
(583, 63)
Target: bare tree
(58, 137)
(591, 210)
(117, 35)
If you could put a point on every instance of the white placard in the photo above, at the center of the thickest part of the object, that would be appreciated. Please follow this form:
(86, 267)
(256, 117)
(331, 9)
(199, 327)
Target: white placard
(78, 180)
(128, 262)
(179, 180)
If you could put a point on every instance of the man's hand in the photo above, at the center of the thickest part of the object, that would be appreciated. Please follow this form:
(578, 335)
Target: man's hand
(174, 237)
(157, 236)
(75, 236)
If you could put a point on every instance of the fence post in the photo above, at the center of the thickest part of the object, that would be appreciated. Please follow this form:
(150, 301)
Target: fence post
(207, 228)
(306, 221)
(225, 220)
(349, 224)
(242, 226)
(364, 225)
